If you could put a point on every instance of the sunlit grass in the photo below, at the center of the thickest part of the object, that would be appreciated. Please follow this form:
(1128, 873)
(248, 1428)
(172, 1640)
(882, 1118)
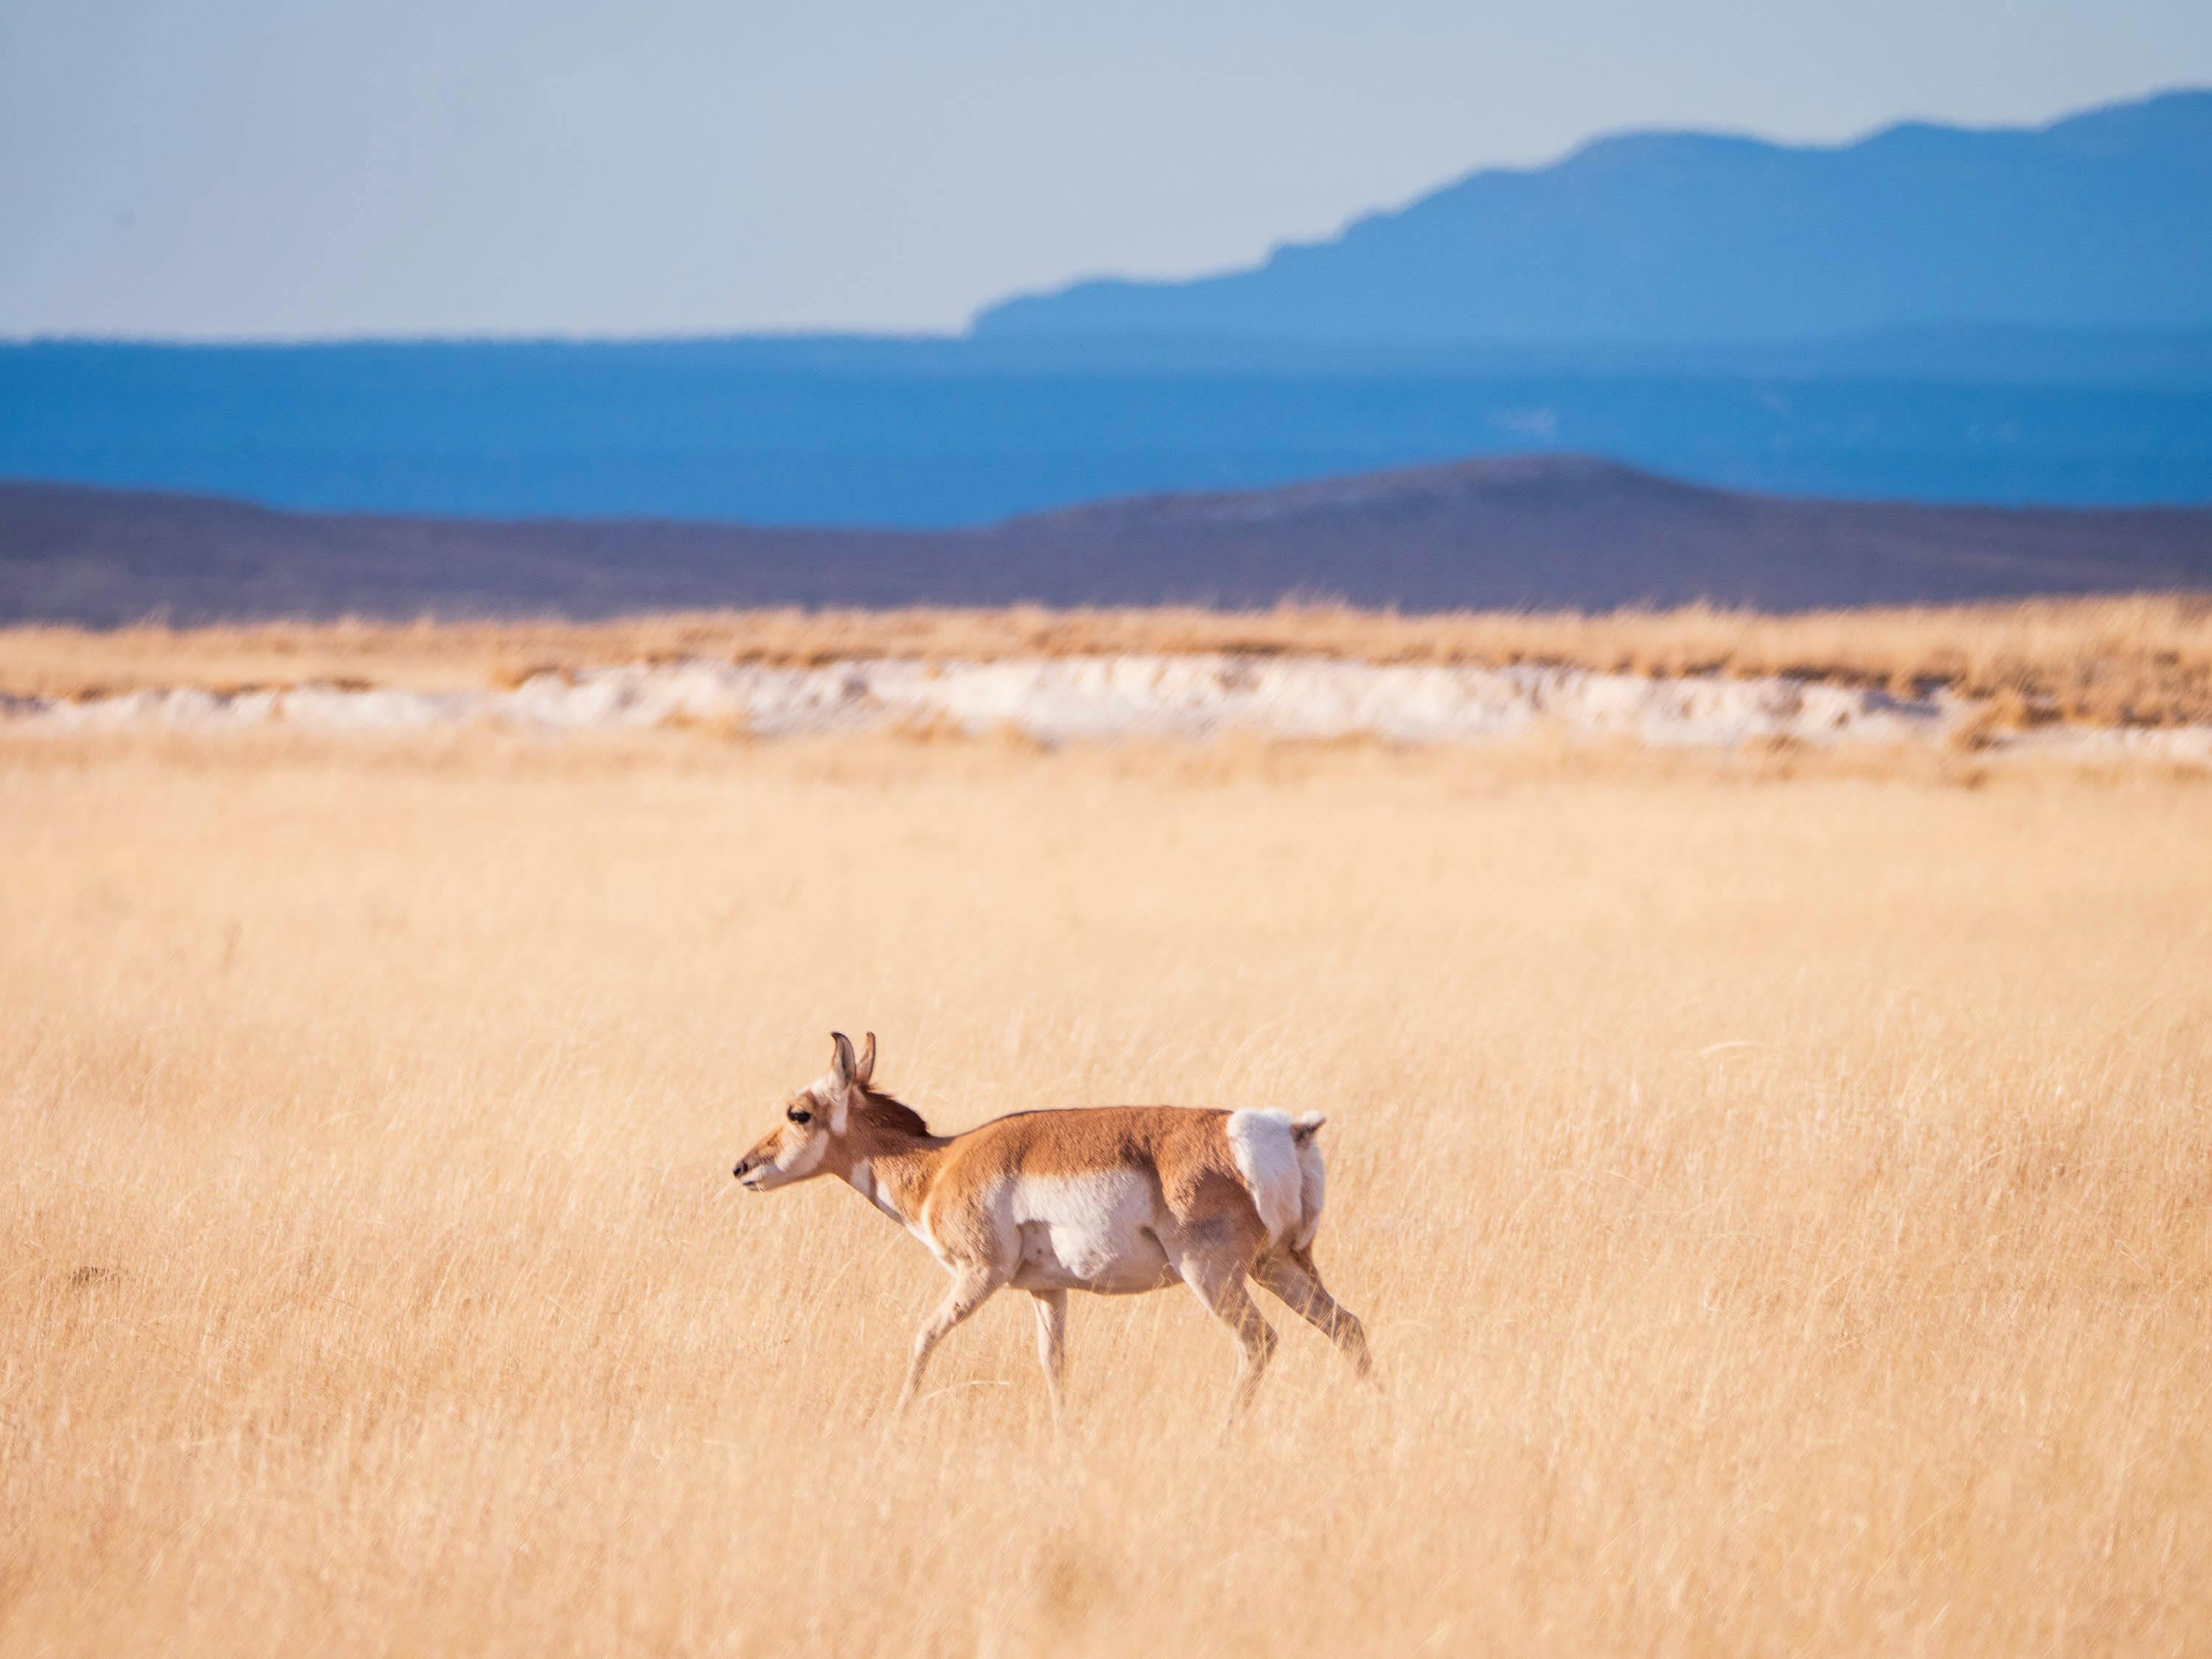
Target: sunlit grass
(1783, 1208)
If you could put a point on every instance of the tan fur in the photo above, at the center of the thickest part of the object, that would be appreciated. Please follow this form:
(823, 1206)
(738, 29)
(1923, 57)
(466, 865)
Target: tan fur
(1110, 1199)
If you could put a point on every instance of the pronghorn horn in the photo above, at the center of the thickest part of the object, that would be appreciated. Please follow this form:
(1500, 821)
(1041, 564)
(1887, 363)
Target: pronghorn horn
(866, 1069)
(840, 1058)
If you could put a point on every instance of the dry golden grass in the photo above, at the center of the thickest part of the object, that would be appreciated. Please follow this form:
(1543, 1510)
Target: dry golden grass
(2123, 661)
(1784, 1209)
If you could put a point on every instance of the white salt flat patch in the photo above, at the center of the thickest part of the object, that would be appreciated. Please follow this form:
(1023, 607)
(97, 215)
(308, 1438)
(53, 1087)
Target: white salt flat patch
(1102, 698)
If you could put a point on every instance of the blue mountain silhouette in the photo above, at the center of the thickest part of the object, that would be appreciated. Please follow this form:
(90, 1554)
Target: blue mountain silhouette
(2102, 220)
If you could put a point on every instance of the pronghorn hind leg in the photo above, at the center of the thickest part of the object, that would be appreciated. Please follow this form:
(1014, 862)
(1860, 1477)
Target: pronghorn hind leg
(1220, 1285)
(1292, 1276)
(970, 1291)
(1052, 1341)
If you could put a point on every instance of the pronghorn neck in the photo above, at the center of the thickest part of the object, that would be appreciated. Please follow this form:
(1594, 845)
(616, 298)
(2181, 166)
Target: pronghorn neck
(892, 1168)
(877, 1180)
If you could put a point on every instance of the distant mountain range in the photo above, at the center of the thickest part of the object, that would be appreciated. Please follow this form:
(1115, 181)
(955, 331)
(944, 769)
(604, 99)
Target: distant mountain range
(2103, 219)
(1540, 532)
(1930, 314)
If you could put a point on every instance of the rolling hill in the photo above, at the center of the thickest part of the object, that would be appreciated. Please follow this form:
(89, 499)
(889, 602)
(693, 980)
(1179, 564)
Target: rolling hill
(1528, 531)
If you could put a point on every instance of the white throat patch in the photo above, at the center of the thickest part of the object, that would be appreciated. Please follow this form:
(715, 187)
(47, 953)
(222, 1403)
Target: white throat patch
(864, 1180)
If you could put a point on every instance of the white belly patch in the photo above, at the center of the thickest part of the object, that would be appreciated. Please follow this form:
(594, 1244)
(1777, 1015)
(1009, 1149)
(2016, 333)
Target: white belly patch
(1088, 1232)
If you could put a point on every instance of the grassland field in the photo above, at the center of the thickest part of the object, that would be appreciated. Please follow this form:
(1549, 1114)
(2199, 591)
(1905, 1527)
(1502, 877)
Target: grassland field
(1780, 1194)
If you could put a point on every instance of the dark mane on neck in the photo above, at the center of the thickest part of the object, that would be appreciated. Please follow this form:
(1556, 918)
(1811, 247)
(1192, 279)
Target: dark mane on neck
(895, 1114)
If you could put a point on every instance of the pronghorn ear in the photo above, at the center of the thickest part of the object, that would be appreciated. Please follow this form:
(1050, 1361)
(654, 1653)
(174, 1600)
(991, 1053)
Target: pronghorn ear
(865, 1070)
(842, 1066)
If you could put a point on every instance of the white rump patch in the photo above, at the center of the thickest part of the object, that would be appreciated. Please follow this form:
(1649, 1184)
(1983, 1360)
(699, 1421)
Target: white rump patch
(1313, 1184)
(1283, 1175)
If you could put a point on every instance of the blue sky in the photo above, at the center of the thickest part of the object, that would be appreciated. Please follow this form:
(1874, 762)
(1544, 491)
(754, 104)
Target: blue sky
(270, 168)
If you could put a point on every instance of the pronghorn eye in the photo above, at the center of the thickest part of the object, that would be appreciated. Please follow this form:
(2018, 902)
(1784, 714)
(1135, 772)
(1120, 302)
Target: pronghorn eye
(797, 1116)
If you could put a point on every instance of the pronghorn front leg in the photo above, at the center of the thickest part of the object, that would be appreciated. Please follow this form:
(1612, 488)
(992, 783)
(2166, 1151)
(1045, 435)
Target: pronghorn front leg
(970, 1289)
(1052, 1341)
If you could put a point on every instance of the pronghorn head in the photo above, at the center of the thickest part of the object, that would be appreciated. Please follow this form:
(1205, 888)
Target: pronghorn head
(813, 1120)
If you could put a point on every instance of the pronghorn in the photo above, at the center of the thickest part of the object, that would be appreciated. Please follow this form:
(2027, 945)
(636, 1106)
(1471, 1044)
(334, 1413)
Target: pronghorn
(1112, 1200)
